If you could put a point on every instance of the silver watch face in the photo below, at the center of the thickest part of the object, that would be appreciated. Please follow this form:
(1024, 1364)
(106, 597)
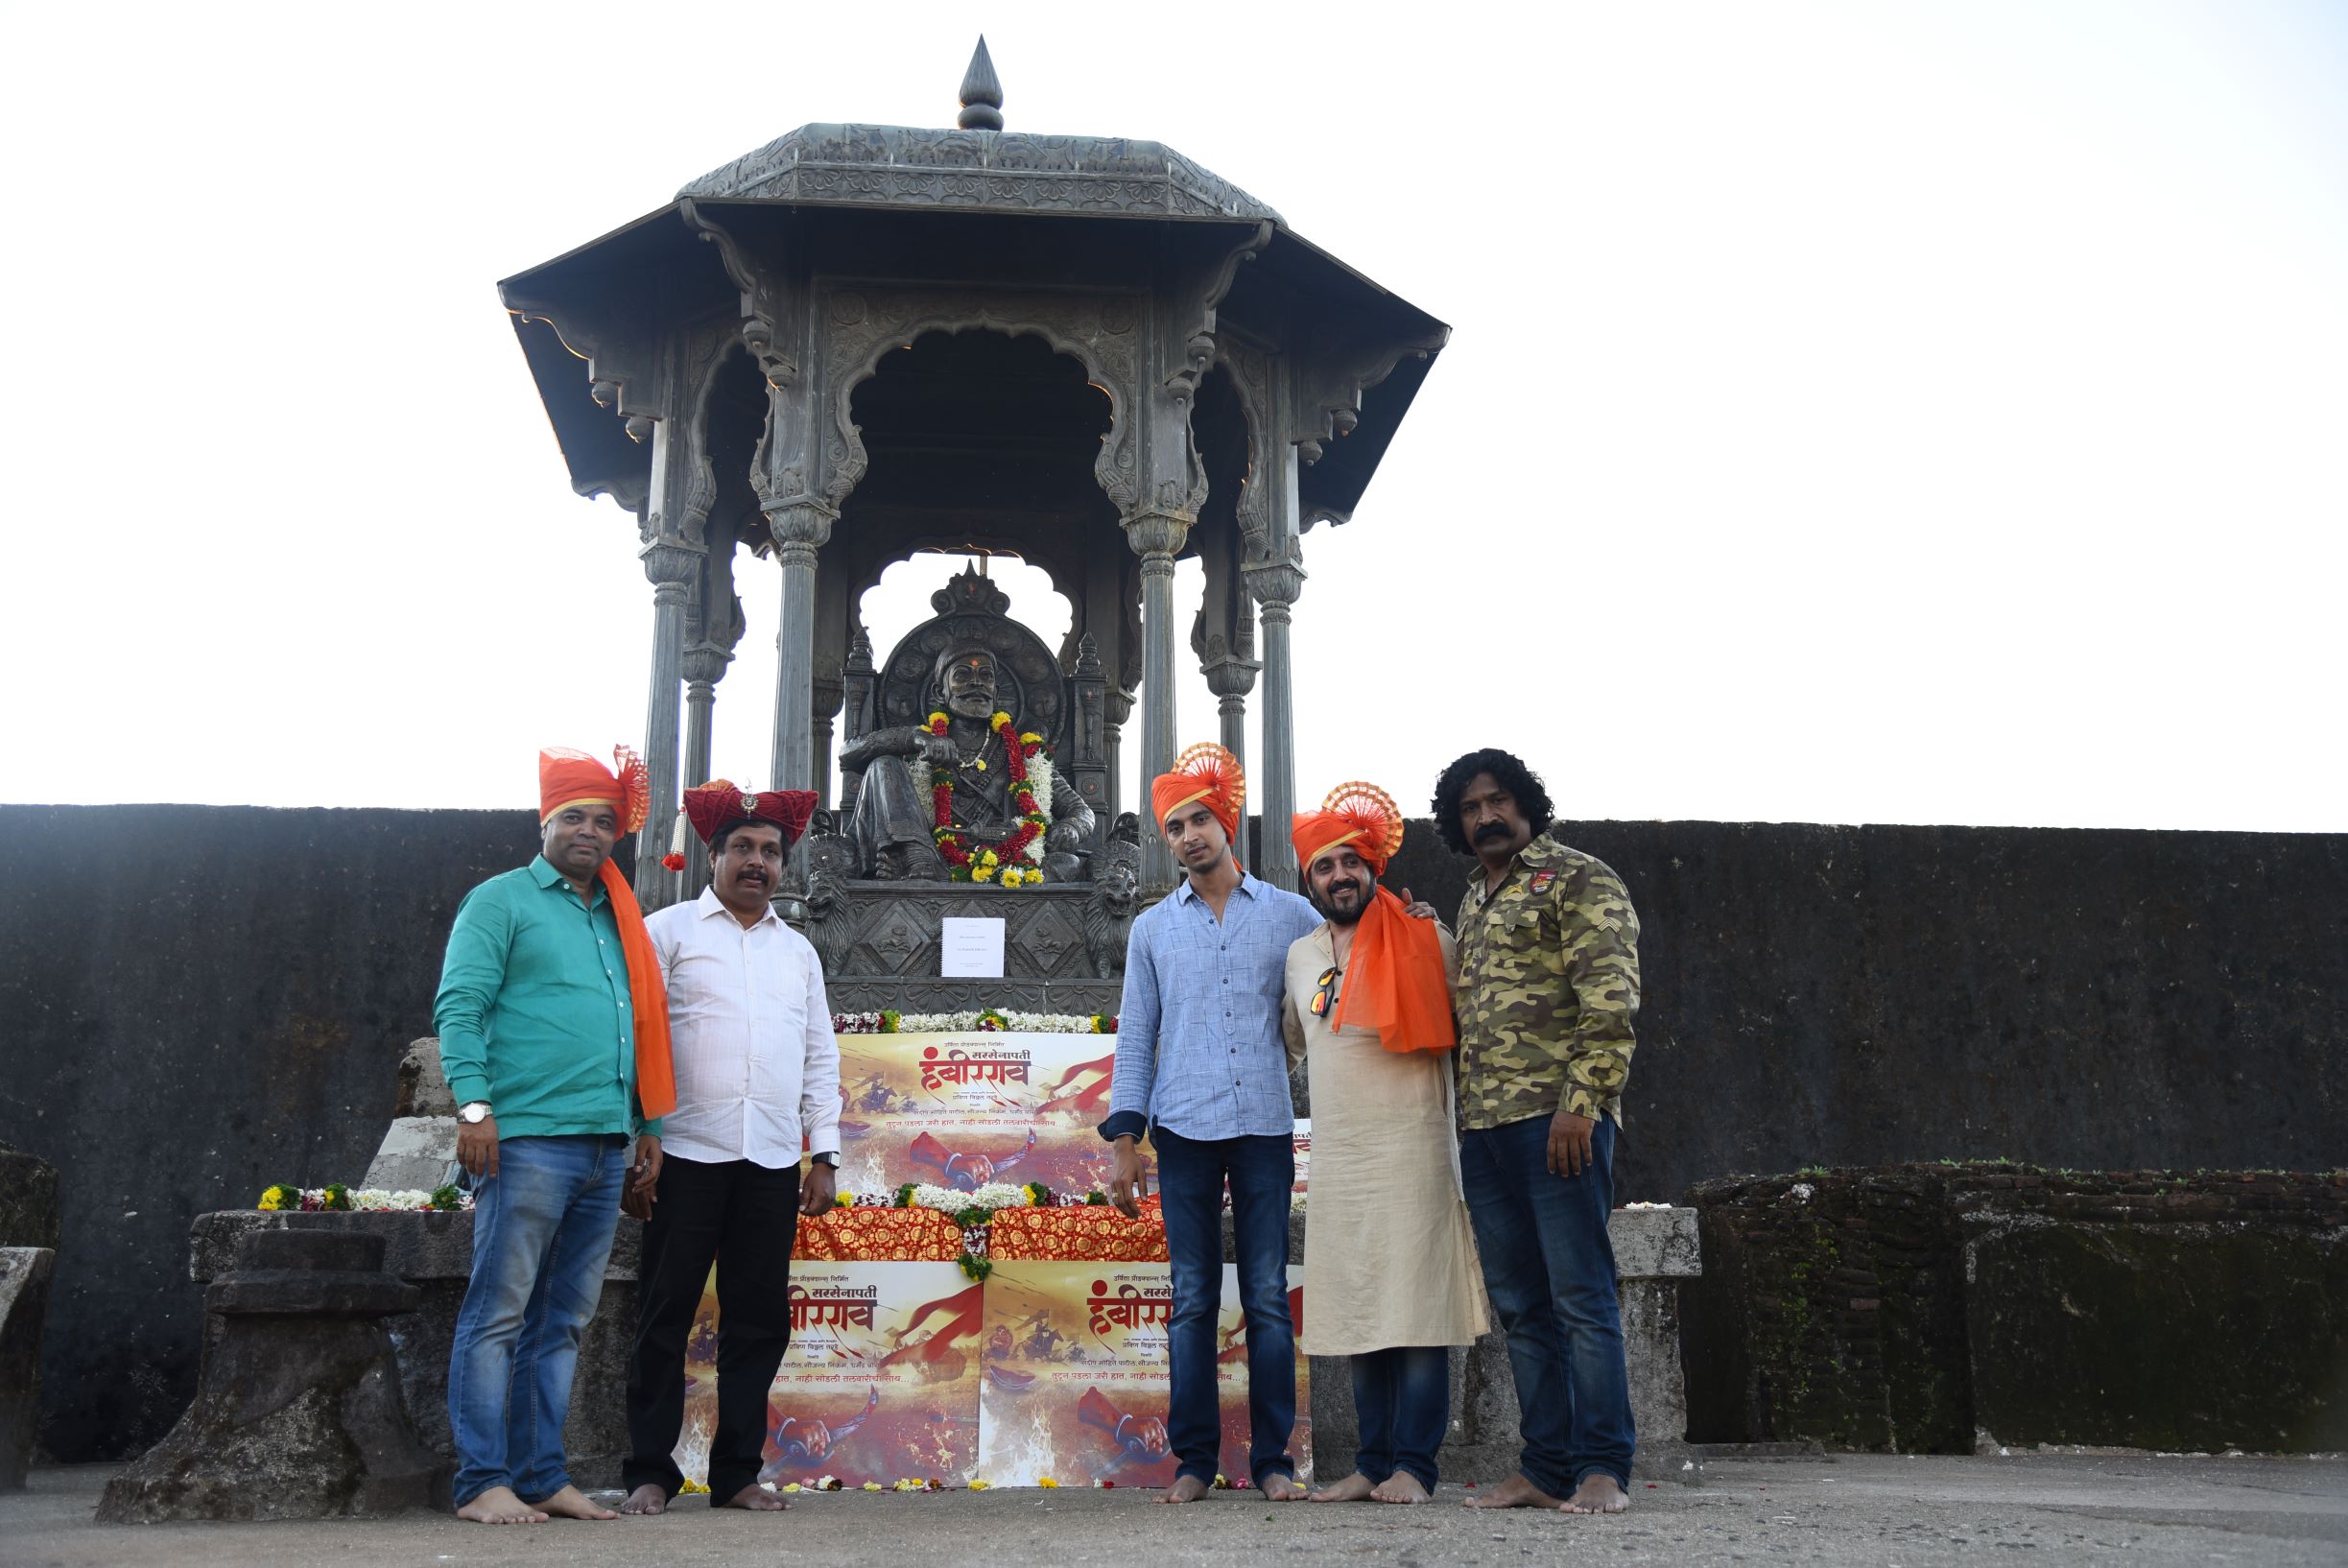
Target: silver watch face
(474, 1113)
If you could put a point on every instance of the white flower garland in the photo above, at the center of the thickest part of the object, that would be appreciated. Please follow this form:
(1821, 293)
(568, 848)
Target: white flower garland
(993, 1195)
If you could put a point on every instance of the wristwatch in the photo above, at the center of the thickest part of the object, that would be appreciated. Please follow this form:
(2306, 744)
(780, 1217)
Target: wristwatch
(473, 1112)
(830, 1159)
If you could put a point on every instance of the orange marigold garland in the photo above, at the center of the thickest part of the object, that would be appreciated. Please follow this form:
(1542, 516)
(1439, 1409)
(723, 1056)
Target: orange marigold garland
(966, 861)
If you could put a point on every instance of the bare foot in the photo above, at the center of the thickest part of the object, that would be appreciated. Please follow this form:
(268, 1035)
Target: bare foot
(1185, 1489)
(647, 1499)
(1281, 1488)
(570, 1503)
(755, 1499)
(1515, 1493)
(1597, 1494)
(1402, 1487)
(498, 1506)
(1354, 1488)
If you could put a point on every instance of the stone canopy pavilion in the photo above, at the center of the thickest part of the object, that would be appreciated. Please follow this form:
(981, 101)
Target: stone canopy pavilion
(860, 341)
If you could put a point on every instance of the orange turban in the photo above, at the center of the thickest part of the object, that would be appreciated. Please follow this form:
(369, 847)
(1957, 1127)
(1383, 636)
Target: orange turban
(574, 779)
(1207, 773)
(1395, 981)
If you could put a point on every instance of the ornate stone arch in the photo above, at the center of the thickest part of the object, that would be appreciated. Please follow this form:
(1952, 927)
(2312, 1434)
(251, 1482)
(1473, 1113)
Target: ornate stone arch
(1099, 331)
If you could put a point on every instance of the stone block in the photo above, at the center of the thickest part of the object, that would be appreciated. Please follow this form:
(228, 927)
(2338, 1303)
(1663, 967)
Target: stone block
(2181, 1337)
(29, 1211)
(418, 1152)
(298, 1411)
(423, 1091)
(25, 1273)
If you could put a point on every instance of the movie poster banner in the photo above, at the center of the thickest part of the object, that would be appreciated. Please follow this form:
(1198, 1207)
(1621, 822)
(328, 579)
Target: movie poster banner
(880, 1383)
(959, 1110)
(1076, 1376)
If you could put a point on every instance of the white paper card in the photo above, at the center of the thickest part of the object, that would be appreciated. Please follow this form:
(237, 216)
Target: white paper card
(970, 947)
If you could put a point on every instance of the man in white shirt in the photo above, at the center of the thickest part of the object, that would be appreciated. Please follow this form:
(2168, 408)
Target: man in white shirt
(757, 1073)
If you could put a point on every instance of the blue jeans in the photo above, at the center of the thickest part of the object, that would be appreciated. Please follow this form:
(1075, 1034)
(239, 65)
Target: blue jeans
(541, 1235)
(1402, 1402)
(1549, 1266)
(1260, 1170)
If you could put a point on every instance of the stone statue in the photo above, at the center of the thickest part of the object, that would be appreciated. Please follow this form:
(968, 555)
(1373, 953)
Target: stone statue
(891, 824)
(1117, 888)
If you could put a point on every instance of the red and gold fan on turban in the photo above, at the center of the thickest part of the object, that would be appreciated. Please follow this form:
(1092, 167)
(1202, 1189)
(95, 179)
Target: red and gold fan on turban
(1207, 773)
(1395, 979)
(574, 779)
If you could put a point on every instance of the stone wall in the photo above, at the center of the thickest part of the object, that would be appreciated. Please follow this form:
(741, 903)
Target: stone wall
(1934, 1307)
(202, 1001)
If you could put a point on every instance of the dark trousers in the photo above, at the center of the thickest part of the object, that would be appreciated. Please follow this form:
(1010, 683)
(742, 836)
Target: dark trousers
(1402, 1402)
(743, 1216)
(1192, 1173)
(1549, 1268)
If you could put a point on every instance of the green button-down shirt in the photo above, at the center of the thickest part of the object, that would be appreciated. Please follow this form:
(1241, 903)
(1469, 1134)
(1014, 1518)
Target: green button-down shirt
(1549, 986)
(533, 1011)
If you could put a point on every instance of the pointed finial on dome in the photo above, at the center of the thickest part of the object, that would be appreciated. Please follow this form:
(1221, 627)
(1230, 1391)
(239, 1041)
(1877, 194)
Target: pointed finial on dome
(982, 93)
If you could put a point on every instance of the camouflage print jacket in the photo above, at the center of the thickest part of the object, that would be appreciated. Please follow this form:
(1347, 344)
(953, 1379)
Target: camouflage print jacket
(1549, 984)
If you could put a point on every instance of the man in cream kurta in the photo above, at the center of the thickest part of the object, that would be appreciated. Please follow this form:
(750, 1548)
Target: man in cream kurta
(1390, 1276)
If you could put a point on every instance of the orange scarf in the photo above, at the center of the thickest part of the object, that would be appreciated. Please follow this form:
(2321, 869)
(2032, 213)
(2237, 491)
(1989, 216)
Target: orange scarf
(648, 999)
(1394, 980)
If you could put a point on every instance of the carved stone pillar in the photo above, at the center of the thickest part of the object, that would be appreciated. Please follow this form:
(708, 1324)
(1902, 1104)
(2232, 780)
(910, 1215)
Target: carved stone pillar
(800, 528)
(704, 666)
(1157, 537)
(825, 695)
(674, 566)
(1231, 678)
(1118, 707)
(1275, 582)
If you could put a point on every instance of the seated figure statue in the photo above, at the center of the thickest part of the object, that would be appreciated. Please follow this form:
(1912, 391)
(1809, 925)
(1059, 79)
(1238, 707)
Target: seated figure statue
(894, 819)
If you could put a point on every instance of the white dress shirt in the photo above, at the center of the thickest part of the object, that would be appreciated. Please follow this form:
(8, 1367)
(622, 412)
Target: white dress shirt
(750, 1031)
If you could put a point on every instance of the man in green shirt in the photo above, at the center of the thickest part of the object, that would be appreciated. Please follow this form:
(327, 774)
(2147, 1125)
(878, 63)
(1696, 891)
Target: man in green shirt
(554, 1038)
(1549, 984)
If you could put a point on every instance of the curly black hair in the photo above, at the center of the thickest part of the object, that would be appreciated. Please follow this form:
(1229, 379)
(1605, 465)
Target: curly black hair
(1511, 774)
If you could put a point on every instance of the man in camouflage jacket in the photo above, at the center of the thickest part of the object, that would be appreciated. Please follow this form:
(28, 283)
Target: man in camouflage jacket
(1549, 984)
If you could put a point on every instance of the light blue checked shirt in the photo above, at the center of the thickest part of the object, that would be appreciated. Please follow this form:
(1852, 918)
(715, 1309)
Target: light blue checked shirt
(1198, 1047)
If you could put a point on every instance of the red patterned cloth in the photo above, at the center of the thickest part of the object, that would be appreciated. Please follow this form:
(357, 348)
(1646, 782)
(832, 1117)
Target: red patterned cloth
(1091, 1234)
(878, 1235)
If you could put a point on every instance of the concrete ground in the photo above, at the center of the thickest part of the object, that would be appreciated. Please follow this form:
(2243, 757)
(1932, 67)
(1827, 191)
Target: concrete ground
(1848, 1510)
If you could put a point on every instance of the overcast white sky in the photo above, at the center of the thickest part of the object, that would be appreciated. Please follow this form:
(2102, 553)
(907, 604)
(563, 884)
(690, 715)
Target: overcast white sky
(1870, 413)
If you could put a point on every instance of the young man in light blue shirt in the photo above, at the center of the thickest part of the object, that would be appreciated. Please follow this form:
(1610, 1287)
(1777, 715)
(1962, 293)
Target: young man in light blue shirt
(1202, 1071)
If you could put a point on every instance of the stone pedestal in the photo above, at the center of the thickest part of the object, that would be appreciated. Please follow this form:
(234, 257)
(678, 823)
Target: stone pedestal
(297, 1410)
(434, 1253)
(25, 1273)
(880, 942)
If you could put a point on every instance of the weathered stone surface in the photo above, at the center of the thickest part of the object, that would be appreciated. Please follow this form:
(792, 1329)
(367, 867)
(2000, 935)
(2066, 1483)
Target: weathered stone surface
(29, 1211)
(1898, 1307)
(25, 1273)
(2181, 1338)
(417, 1154)
(423, 1089)
(298, 1412)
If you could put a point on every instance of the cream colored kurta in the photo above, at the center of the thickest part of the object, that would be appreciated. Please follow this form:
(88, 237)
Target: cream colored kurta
(1389, 1257)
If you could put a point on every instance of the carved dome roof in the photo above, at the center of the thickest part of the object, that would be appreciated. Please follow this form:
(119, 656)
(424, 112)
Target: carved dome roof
(980, 170)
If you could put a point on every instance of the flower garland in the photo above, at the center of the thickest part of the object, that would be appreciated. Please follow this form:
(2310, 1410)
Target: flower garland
(284, 1197)
(992, 863)
(984, 1021)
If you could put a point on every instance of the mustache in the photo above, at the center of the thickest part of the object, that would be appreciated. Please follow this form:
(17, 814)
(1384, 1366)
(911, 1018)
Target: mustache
(1491, 830)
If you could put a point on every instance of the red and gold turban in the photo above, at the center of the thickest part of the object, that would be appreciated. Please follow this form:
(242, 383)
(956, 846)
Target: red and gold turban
(719, 802)
(1394, 977)
(574, 779)
(1207, 773)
